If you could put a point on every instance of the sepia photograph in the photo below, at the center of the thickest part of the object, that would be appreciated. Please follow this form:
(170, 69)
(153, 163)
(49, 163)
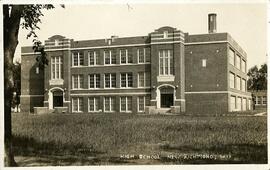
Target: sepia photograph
(134, 83)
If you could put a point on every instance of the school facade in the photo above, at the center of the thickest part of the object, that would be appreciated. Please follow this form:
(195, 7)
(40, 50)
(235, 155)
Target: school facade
(167, 70)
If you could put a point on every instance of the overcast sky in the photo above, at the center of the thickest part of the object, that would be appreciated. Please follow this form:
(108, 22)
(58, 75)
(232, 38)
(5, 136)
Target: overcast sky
(245, 22)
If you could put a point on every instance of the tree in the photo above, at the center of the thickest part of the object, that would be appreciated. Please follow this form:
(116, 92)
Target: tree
(17, 84)
(257, 78)
(16, 17)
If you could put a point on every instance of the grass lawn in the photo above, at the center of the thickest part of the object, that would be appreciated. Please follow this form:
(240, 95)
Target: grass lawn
(102, 139)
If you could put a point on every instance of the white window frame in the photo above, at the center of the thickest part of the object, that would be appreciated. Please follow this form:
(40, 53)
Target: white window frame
(233, 79)
(249, 104)
(95, 101)
(77, 100)
(204, 62)
(165, 34)
(110, 104)
(95, 81)
(56, 60)
(37, 70)
(169, 56)
(126, 103)
(238, 83)
(243, 84)
(233, 108)
(110, 57)
(95, 58)
(238, 63)
(126, 79)
(244, 104)
(243, 66)
(78, 57)
(79, 76)
(264, 100)
(127, 61)
(110, 80)
(144, 79)
(138, 105)
(232, 57)
(138, 55)
(237, 103)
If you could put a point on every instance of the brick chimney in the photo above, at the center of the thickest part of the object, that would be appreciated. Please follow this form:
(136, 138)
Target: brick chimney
(212, 23)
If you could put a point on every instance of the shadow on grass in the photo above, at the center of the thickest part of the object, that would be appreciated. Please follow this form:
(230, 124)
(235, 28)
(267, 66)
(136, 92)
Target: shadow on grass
(30, 152)
(226, 154)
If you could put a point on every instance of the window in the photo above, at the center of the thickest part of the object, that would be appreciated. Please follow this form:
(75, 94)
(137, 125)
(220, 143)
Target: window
(77, 59)
(249, 104)
(238, 81)
(93, 58)
(144, 79)
(77, 81)
(239, 103)
(142, 102)
(243, 66)
(147, 79)
(231, 57)
(93, 81)
(264, 100)
(141, 79)
(56, 42)
(165, 34)
(244, 104)
(37, 70)
(109, 57)
(126, 80)
(147, 54)
(126, 104)
(243, 85)
(109, 104)
(233, 103)
(166, 62)
(93, 104)
(77, 104)
(110, 80)
(125, 57)
(258, 100)
(232, 82)
(56, 67)
(238, 62)
(141, 55)
(203, 62)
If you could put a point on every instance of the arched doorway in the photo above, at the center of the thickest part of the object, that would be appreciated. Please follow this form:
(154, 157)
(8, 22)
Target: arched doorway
(56, 97)
(165, 96)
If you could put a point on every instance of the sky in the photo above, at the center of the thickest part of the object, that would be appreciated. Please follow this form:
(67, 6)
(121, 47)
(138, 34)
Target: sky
(246, 22)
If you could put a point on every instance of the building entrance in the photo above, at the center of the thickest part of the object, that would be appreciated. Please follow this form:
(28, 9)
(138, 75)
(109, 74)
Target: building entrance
(57, 99)
(166, 97)
(166, 100)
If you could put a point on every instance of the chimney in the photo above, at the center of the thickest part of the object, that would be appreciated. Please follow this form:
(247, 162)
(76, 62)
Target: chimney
(212, 23)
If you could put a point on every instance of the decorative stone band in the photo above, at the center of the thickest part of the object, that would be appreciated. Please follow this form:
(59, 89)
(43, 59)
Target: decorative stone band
(248, 95)
(31, 95)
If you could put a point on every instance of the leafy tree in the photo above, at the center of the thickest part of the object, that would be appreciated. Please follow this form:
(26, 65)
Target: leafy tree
(257, 78)
(16, 17)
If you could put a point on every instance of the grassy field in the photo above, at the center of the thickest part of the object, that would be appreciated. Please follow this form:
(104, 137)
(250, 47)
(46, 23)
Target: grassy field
(101, 139)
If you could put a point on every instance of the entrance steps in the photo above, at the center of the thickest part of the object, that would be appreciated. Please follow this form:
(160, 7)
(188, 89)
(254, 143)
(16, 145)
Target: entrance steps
(166, 111)
(163, 110)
